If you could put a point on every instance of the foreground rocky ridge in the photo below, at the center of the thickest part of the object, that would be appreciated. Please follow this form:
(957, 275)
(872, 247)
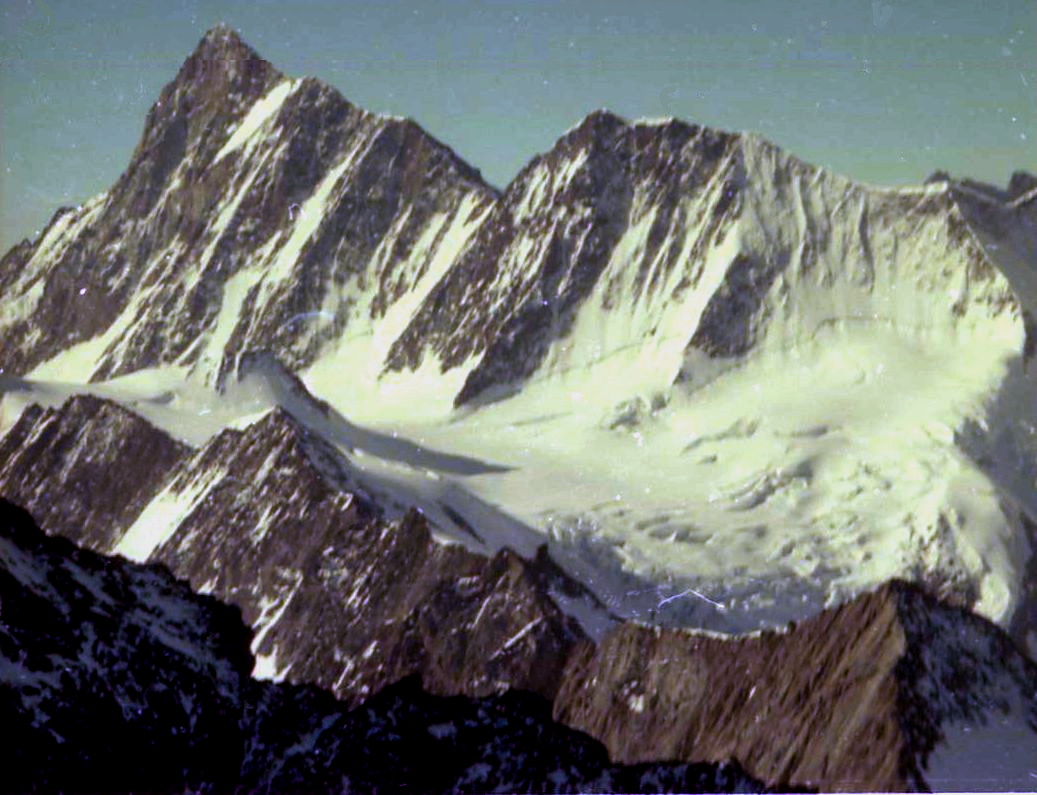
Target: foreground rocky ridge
(342, 597)
(115, 677)
(893, 671)
(273, 520)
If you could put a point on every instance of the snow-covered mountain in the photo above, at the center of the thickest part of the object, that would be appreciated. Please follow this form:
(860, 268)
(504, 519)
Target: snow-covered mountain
(257, 212)
(411, 424)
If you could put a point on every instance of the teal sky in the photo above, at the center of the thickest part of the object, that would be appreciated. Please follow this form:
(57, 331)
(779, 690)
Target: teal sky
(886, 91)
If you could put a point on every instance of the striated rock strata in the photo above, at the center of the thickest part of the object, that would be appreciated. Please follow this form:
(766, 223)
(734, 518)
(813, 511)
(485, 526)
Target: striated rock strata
(856, 698)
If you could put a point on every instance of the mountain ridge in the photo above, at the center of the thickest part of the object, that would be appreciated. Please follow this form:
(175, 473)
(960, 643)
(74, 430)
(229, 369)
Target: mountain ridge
(669, 378)
(798, 708)
(189, 102)
(630, 266)
(115, 676)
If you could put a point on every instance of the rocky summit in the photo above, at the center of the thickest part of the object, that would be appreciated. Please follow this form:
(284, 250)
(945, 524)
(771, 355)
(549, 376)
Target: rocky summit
(675, 463)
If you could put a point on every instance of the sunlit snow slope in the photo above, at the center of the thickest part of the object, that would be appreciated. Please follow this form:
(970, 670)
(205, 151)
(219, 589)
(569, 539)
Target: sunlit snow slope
(706, 366)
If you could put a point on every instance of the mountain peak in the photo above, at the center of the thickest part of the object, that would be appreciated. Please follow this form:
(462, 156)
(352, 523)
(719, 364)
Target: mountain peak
(599, 121)
(597, 127)
(222, 40)
(222, 56)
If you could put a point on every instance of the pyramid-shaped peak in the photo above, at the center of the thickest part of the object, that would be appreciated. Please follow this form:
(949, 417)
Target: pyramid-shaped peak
(222, 40)
(1021, 182)
(596, 127)
(223, 53)
(223, 66)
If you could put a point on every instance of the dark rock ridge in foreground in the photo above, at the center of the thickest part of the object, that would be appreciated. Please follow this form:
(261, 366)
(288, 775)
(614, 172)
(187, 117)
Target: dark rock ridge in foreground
(277, 522)
(116, 677)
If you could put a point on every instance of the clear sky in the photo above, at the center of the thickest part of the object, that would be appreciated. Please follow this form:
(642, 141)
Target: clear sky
(886, 91)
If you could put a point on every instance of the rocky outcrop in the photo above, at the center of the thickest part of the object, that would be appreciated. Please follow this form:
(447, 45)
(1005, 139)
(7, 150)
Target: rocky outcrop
(86, 469)
(860, 697)
(113, 677)
(276, 521)
(116, 677)
(351, 601)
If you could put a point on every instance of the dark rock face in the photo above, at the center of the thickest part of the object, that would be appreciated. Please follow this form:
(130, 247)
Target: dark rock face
(278, 523)
(1020, 183)
(855, 698)
(351, 601)
(112, 677)
(115, 677)
(86, 469)
(415, 742)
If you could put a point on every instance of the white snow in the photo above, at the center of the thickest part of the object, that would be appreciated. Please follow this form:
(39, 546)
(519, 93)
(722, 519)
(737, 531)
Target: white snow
(822, 463)
(266, 667)
(77, 363)
(271, 609)
(162, 516)
(520, 634)
(259, 118)
(363, 350)
(805, 482)
(313, 210)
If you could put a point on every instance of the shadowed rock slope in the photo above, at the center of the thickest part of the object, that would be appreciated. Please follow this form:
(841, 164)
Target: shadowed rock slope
(115, 677)
(277, 522)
